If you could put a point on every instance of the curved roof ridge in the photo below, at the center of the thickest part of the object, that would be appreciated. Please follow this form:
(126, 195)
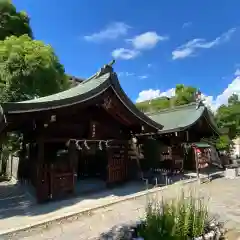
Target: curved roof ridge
(71, 91)
(92, 87)
(175, 108)
(116, 86)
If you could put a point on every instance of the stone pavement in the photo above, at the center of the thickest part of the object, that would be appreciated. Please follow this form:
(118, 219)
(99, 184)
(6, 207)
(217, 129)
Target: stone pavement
(13, 197)
(223, 196)
(18, 209)
(91, 224)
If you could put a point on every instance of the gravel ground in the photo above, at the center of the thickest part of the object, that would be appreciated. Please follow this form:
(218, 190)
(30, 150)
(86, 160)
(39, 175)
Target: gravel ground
(223, 197)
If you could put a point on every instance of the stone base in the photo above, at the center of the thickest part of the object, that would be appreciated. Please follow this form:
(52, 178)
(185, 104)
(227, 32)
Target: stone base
(215, 231)
(231, 173)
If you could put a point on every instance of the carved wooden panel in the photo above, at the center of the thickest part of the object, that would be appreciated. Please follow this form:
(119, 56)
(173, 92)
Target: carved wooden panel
(114, 107)
(61, 183)
(117, 163)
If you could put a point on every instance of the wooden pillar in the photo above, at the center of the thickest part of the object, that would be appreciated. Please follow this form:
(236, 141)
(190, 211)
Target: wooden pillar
(3, 136)
(32, 160)
(40, 151)
(24, 171)
(73, 156)
(43, 184)
(73, 160)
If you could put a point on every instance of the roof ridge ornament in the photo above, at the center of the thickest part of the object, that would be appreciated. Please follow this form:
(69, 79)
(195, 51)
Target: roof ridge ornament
(198, 99)
(107, 68)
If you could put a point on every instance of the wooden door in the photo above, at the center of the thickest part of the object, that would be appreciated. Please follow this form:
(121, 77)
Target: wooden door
(117, 167)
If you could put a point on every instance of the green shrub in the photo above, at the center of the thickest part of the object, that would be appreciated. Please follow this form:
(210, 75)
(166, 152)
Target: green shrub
(180, 219)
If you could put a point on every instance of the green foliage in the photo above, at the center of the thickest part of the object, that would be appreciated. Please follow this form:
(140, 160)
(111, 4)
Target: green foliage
(183, 95)
(223, 143)
(228, 116)
(29, 69)
(154, 104)
(13, 22)
(184, 218)
(11, 144)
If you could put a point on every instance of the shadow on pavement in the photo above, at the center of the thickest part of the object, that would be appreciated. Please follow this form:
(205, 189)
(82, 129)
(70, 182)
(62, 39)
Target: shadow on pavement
(17, 200)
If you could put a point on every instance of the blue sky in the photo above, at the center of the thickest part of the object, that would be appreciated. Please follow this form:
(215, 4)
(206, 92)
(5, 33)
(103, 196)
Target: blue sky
(157, 44)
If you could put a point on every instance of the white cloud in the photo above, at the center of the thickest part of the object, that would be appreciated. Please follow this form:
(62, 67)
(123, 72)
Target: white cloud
(125, 74)
(190, 47)
(237, 72)
(213, 103)
(182, 53)
(151, 94)
(187, 24)
(110, 32)
(125, 54)
(169, 93)
(147, 40)
(233, 88)
(148, 95)
(143, 77)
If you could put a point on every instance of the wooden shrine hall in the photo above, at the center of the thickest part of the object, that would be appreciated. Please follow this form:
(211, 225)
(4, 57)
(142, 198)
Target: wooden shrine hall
(80, 133)
(186, 130)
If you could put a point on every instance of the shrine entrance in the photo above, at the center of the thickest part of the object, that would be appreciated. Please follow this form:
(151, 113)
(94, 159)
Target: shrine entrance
(98, 168)
(92, 164)
(91, 172)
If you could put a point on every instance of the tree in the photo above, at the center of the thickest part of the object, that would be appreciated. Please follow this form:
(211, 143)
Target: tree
(154, 104)
(13, 22)
(228, 116)
(29, 69)
(184, 94)
(232, 100)
(223, 143)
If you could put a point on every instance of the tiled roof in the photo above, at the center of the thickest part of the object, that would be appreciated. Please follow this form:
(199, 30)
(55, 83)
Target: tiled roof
(182, 117)
(84, 91)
